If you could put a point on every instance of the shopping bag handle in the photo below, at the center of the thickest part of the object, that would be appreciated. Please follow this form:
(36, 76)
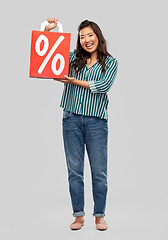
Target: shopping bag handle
(59, 26)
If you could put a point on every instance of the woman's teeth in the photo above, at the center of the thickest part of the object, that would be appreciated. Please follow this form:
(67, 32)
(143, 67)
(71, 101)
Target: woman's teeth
(89, 45)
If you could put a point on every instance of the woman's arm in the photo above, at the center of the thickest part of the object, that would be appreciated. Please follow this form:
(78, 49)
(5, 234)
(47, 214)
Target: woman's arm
(100, 86)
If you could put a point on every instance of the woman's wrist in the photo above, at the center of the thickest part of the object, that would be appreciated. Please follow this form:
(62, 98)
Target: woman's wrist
(46, 29)
(76, 82)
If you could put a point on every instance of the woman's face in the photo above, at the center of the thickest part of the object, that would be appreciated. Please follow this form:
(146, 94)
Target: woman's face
(88, 40)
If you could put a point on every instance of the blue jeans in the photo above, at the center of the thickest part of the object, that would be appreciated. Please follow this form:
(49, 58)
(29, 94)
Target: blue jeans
(80, 131)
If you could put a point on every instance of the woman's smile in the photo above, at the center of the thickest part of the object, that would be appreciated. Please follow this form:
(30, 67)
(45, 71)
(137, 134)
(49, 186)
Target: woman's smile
(89, 46)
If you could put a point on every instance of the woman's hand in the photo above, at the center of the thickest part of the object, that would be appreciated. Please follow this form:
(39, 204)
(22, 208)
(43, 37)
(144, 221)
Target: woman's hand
(52, 24)
(68, 80)
(71, 80)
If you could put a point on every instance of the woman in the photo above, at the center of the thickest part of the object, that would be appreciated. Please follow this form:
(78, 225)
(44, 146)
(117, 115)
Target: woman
(85, 118)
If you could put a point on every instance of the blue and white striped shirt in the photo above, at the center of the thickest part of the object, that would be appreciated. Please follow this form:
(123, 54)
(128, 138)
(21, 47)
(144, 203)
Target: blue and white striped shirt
(93, 102)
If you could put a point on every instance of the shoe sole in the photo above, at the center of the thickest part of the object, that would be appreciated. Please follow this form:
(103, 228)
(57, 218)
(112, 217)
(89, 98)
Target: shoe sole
(101, 229)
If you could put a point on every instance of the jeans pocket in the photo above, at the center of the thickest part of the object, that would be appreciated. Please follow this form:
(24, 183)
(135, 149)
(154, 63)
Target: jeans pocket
(66, 114)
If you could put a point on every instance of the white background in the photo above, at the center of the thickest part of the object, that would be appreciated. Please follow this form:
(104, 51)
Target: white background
(34, 198)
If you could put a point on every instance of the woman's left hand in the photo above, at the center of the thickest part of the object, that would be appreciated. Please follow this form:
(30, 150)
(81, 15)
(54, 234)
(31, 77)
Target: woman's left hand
(68, 80)
(71, 80)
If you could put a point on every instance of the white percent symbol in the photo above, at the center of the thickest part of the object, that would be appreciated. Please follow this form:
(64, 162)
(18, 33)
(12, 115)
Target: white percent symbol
(49, 55)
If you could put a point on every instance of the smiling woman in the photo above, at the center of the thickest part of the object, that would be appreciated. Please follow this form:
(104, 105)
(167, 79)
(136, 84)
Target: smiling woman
(85, 118)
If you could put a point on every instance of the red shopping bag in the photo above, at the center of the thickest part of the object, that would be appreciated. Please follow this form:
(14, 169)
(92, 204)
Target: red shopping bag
(49, 54)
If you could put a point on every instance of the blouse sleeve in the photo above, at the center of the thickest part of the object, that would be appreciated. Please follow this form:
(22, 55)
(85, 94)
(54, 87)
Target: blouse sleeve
(72, 56)
(103, 85)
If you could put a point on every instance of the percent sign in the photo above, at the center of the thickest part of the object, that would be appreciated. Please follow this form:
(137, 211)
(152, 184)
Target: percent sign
(49, 55)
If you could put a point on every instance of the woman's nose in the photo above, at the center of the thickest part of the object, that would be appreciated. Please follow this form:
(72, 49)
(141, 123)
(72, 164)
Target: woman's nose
(86, 39)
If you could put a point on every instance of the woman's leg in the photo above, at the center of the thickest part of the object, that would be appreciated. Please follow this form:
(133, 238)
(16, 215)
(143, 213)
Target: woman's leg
(74, 150)
(96, 137)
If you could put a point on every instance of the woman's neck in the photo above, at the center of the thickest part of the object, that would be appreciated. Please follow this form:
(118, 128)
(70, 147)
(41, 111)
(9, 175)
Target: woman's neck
(94, 56)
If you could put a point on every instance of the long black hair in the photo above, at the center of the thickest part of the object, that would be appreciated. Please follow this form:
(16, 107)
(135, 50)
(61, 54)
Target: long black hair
(82, 55)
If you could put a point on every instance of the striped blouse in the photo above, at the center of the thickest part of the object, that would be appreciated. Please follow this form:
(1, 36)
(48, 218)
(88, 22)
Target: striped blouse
(93, 102)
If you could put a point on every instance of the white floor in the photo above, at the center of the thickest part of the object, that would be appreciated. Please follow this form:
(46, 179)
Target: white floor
(49, 219)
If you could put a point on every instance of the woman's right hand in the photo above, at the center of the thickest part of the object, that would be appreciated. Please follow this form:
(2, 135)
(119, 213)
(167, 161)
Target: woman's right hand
(51, 26)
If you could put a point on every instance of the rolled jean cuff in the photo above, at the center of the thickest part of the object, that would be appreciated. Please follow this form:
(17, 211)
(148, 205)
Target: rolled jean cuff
(98, 214)
(78, 214)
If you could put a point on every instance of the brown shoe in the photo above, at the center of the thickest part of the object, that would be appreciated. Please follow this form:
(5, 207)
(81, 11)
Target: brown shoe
(77, 224)
(101, 225)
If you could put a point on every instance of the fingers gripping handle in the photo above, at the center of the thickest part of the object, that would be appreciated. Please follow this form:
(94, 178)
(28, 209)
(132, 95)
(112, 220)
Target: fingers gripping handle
(59, 26)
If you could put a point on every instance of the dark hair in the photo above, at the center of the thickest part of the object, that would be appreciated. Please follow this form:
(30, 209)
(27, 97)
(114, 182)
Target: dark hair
(82, 55)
